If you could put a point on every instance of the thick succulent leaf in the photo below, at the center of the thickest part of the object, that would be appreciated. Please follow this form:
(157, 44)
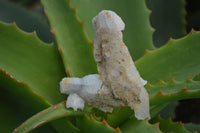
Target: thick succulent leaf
(90, 125)
(139, 126)
(52, 113)
(23, 91)
(163, 93)
(29, 60)
(168, 126)
(173, 86)
(117, 118)
(59, 111)
(26, 20)
(154, 110)
(192, 127)
(138, 32)
(13, 112)
(74, 46)
(36, 66)
(172, 91)
(169, 110)
(178, 59)
(168, 18)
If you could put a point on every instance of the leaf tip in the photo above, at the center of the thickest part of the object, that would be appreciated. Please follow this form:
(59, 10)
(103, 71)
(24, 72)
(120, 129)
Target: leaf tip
(161, 81)
(197, 77)
(118, 130)
(52, 31)
(150, 11)
(160, 93)
(169, 40)
(192, 31)
(34, 32)
(14, 23)
(171, 80)
(184, 89)
(189, 79)
(154, 30)
(146, 51)
(148, 84)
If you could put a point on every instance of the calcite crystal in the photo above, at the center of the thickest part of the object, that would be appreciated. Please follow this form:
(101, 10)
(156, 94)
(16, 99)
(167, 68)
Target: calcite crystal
(118, 82)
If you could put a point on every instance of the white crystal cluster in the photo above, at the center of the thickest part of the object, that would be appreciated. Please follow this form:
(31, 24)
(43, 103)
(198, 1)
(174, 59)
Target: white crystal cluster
(118, 82)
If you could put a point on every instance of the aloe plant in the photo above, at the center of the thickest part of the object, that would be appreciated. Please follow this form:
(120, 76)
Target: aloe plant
(30, 69)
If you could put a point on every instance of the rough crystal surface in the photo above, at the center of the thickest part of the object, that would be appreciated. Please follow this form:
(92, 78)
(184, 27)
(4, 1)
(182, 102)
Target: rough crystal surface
(119, 82)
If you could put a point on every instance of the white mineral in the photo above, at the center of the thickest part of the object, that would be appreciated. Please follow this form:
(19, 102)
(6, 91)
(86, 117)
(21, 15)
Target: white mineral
(119, 82)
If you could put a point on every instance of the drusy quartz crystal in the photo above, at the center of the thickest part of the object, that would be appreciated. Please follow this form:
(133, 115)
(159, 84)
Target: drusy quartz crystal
(118, 82)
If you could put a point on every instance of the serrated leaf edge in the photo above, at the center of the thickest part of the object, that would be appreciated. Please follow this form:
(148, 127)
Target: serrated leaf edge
(25, 84)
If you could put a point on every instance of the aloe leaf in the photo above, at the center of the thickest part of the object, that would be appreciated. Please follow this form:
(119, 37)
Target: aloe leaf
(168, 126)
(13, 112)
(168, 19)
(88, 124)
(169, 110)
(52, 113)
(173, 86)
(34, 62)
(139, 126)
(169, 97)
(74, 46)
(192, 127)
(138, 32)
(23, 91)
(173, 90)
(36, 65)
(178, 59)
(58, 111)
(26, 20)
(116, 119)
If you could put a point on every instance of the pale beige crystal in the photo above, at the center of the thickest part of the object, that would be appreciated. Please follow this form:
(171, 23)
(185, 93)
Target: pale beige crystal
(119, 82)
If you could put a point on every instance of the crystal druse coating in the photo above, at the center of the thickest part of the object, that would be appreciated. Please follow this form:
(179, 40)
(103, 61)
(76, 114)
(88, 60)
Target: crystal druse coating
(118, 82)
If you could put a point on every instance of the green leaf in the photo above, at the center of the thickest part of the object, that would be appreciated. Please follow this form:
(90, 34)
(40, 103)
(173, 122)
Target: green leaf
(29, 60)
(22, 91)
(169, 110)
(117, 118)
(75, 48)
(175, 92)
(45, 116)
(178, 59)
(168, 126)
(163, 93)
(25, 93)
(14, 111)
(139, 126)
(172, 86)
(58, 111)
(137, 33)
(36, 66)
(26, 20)
(154, 110)
(168, 18)
(88, 125)
(192, 127)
